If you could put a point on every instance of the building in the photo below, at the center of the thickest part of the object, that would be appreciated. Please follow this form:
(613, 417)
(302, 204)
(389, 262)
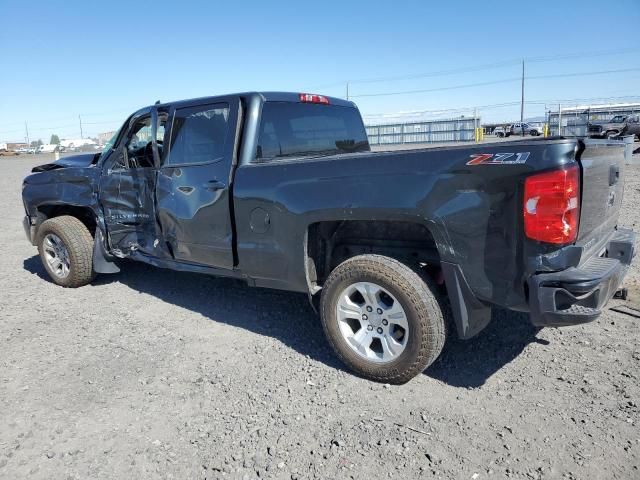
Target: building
(12, 146)
(575, 120)
(461, 129)
(105, 137)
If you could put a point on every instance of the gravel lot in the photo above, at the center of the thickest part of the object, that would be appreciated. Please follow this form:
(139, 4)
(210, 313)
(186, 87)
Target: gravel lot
(157, 374)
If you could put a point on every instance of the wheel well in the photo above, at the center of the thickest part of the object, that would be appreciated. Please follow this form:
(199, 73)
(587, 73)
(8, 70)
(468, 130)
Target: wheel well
(84, 214)
(331, 243)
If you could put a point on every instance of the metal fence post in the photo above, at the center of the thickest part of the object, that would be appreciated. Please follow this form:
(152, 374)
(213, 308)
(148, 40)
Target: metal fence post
(559, 120)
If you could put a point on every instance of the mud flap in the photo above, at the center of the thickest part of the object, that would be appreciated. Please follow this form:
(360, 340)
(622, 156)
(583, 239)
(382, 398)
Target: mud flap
(471, 316)
(102, 261)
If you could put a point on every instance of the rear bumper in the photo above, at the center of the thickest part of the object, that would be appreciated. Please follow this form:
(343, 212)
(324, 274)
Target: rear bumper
(578, 294)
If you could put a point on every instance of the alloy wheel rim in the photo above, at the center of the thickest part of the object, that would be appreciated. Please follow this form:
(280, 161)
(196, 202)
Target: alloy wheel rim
(56, 255)
(372, 322)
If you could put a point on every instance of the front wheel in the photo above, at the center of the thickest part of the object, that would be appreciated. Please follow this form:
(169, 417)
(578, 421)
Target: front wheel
(382, 318)
(66, 250)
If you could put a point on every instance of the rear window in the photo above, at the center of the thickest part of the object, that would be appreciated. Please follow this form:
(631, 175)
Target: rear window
(309, 130)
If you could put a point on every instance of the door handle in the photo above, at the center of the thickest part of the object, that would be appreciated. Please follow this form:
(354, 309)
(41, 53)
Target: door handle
(214, 185)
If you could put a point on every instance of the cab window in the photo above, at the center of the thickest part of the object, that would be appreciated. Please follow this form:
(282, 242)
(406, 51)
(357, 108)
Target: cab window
(199, 134)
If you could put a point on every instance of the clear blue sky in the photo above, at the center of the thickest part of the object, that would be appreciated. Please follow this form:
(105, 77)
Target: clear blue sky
(61, 59)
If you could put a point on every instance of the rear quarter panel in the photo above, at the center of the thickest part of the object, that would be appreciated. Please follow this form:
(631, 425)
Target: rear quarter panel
(472, 212)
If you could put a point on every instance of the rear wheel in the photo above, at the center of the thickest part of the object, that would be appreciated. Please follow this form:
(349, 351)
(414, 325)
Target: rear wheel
(382, 318)
(66, 250)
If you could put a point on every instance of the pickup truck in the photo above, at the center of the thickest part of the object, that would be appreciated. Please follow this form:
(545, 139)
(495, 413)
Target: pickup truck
(282, 191)
(517, 129)
(618, 125)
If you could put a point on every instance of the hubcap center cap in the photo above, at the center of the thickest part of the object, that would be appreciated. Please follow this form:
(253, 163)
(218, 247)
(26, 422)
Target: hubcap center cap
(375, 320)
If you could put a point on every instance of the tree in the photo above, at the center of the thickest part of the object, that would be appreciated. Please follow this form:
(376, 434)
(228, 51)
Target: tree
(55, 140)
(36, 143)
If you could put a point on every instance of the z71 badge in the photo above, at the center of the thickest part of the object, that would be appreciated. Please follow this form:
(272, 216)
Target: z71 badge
(498, 158)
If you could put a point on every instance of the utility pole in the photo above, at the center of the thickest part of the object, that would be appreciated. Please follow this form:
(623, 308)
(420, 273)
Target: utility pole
(80, 118)
(522, 101)
(26, 129)
(347, 90)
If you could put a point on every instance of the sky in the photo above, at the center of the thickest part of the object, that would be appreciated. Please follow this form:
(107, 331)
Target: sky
(103, 60)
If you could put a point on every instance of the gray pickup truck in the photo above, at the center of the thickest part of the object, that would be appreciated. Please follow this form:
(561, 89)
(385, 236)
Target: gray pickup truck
(282, 191)
(618, 125)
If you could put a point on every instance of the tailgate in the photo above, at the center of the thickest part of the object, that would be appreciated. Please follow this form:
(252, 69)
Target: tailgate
(602, 163)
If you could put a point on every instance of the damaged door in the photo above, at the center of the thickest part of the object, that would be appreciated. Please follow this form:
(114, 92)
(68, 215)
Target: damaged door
(193, 195)
(127, 185)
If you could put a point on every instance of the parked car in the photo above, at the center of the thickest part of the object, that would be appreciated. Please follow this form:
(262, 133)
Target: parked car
(536, 129)
(618, 125)
(501, 132)
(281, 190)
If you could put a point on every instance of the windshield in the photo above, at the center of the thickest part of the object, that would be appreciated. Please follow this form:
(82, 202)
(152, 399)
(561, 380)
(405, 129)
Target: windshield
(618, 119)
(109, 144)
(308, 130)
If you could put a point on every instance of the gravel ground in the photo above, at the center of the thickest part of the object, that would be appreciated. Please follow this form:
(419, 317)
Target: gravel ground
(156, 374)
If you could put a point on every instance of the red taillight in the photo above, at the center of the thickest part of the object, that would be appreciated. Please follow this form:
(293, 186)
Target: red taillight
(311, 98)
(552, 206)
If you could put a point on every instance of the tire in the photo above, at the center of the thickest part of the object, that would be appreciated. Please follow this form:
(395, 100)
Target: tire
(418, 298)
(78, 242)
(499, 135)
(610, 133)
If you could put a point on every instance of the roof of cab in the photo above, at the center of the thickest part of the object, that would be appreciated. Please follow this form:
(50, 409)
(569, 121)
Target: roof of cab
(266, 96)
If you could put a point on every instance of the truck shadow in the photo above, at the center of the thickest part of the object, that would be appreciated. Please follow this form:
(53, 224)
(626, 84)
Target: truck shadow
(289, 318)
(469, 363)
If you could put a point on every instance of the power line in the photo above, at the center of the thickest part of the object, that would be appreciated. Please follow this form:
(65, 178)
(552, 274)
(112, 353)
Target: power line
(440, 89)
(43, 129)
(498, 105)
(494, 82)
(571, 56)
(488, 66)
(437, 73)
(583, 74)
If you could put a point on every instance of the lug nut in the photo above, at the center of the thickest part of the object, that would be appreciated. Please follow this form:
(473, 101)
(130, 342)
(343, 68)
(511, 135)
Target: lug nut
(379, 311)
(369, 327)
(369, 309)
(365, 317)
(379, 330)
(385, 322)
